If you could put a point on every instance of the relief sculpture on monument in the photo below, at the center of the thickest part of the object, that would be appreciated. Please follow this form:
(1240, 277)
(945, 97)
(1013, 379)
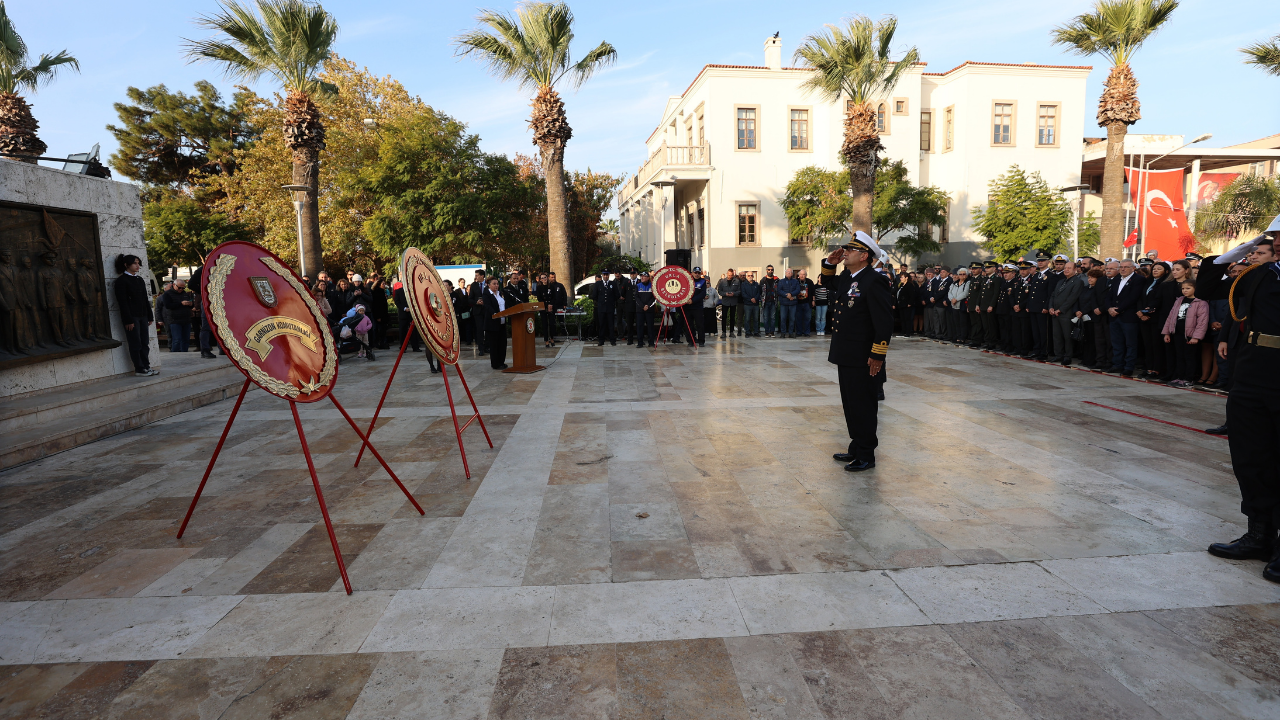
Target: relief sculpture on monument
(53, 300)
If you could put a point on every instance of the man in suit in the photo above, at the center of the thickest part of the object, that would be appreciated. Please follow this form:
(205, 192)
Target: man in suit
(606, 297)
(475, 293)
(861, 322)
(1122, 306)
(627, 297)
(496, 300)
(1063, 309)
(1038, 306)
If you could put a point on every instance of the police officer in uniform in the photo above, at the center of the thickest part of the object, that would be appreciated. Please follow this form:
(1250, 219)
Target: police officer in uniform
(860, 322)
(1253, 406)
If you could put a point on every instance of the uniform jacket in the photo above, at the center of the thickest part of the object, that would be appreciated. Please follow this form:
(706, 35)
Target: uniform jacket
(1008, 296)
(1197, 320)
(1257, 300)
(940, 293)
(860, 319)
(627, 294)
(977, 286)
(606, 295)
(1037, 292)
(992, 286)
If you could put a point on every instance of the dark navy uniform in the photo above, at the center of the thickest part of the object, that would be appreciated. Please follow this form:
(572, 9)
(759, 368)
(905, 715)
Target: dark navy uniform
(991, 288)
(860, 322)
(977, 284)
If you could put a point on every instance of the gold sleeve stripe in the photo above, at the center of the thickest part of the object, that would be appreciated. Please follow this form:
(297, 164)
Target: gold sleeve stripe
(880, 348)
(828, 270)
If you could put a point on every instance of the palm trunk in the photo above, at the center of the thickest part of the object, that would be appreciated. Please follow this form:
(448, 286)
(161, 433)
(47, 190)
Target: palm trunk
(304, 134)
(861, 154)
(306, 171)
(1118, 108)
(18, 129)
(1112, 226)
(550, 133)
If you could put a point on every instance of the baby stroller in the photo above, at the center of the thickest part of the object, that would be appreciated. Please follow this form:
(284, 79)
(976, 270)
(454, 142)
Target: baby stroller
(352, 333)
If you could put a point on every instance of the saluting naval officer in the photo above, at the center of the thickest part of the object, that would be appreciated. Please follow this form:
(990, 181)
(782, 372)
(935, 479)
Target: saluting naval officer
(861, 321)
(1253, 406)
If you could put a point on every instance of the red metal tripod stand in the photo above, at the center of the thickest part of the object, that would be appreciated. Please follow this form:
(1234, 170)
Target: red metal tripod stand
(693, 341)
(475, 411)
(315, 481)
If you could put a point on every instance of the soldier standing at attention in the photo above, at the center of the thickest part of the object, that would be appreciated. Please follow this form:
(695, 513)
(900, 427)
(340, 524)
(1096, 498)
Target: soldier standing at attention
(977, 281)
(992, 285)
(1253, 406)
(861, 322)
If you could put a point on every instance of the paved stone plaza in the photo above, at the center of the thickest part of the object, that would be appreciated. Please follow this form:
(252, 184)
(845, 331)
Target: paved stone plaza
(1017, 553)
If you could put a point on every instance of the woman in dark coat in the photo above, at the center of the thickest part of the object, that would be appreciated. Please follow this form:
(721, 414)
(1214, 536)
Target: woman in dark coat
(1150, 327)
(461, 305)
(135, 312)
(907, 301)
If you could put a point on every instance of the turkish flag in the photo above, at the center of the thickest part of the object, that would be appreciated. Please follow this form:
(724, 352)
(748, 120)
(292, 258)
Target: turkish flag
(1132, 239)
(1158, 197)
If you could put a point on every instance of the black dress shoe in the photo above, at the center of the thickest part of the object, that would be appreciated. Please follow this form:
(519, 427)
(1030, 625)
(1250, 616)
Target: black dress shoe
(860, 465)
(1220, 430)
(843, 457)
(1272, 570)
(1256, 544)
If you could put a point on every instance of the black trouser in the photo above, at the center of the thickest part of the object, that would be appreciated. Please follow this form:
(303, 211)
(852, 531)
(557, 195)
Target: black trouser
(379, 339)
(957, 325)
(139, 343)
(496, 335)
(1006, 331)
(975, 327)
(627, 324)
(1040, 334)
(908, 316)
(1061, 325)
(644, 327)
(1021, 332)
(205, 334)
(1253, 414)
(1187, 356)
(604, 326)
(990, 328)
(477, 314)
(708, 322)
(406, 326)
(694, 316)
(727, 323)
(858, 391)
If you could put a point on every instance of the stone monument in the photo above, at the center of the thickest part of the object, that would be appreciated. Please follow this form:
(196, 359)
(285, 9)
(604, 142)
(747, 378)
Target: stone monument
(60, 233)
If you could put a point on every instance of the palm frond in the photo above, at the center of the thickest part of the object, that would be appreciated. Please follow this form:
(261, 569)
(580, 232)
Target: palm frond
(532, 46)
(1114, 29)
(854, 61)
(13, 49)
(45, 71)
(1265, 55)
(289, 39)
(16, 72)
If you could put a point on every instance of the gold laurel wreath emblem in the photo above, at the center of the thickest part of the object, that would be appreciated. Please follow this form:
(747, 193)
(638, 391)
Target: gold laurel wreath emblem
(217, 304)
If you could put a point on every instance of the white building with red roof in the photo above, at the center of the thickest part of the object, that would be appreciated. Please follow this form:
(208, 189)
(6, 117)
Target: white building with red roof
(726, 148)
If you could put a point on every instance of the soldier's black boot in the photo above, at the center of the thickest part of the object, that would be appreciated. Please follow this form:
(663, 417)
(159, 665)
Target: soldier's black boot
(1272, 570)
(1256, 544)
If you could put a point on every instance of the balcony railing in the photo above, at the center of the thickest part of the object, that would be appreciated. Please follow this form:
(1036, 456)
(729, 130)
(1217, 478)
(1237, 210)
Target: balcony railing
(667, 156)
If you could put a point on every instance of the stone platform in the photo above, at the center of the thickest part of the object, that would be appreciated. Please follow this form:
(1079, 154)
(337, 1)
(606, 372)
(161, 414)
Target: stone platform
(41, 423)
(1017, 553)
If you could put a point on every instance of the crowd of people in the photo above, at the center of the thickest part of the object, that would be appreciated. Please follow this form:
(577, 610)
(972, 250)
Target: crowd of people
(1132, 318)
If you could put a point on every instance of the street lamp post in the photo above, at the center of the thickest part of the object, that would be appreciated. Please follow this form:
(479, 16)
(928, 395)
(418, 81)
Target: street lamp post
(297, 211)
(1144, 183)
(1075, 230)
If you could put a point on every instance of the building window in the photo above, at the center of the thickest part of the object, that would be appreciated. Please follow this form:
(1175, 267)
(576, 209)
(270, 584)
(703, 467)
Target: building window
(799, 129)
(943, 235)
(746, 128)
(1047, 125)
(702, 134)
(949, 129)
(926, 131)
(747, 223)
(702, 226)
(880, 119)
(901, 106)
(1002, 124)
(688, 133)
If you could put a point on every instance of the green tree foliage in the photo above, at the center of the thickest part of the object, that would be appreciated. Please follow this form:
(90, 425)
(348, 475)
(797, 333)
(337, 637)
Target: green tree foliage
(900, 206)
(1265, 55)
(1090, 238)
(819, 205)
(590, 195)
(1245, 206)
(433, 188)
(168, 138)
(180, 231)
(1023, 213)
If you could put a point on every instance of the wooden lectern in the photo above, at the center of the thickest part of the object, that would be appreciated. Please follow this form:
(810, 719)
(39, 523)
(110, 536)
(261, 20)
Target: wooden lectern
(524, 356)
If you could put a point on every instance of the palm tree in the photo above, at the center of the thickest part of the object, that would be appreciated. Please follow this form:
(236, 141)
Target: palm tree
(1265, 55)
(854, 63)
(289, 40)
(1115, 29)
(533, 48)
(17, 126)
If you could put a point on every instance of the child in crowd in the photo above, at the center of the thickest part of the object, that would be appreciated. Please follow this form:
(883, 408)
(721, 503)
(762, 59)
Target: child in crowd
(1186, 328)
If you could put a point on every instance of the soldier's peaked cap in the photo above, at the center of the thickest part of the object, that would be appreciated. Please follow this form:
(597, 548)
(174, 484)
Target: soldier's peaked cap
(1026, 264)
(1043, 255)
(990, 264)
(975, 265)
(863, 242)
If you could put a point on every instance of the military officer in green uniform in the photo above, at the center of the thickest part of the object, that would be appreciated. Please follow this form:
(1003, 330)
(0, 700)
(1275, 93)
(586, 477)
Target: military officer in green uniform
(860, 324)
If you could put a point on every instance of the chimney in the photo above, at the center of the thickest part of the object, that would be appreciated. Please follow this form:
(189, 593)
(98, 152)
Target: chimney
(773, 53)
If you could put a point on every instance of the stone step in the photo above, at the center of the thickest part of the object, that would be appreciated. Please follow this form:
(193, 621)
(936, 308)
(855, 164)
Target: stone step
(111, 406)
(177, 370)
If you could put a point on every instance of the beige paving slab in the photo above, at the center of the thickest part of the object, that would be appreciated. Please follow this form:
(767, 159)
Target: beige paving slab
(123, 575)
(463, 618)
(973, 593)
(443, 684)
(294, 624)
(823, 602)
(1159, 582)
(643, 611)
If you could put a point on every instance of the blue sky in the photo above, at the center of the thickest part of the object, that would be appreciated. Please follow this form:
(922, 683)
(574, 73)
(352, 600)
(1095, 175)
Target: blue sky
(1191, 75)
